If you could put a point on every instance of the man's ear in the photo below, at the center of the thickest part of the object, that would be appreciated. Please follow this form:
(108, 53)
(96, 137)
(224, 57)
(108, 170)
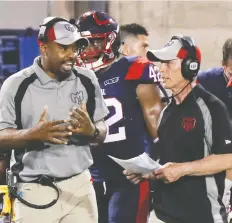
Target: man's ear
(43, 49)
(124, 49)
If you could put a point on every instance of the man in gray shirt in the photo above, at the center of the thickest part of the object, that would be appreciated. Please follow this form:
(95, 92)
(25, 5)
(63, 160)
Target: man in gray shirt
(49, 113)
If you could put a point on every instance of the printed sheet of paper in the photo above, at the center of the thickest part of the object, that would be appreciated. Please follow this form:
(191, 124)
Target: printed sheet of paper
(140, 164)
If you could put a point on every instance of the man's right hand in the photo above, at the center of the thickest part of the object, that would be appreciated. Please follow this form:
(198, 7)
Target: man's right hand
(50, 131)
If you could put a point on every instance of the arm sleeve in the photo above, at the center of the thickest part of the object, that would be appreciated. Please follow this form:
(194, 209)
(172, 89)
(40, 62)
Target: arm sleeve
(143, 72)
(221, 130)
(7, 105)
(101, 110)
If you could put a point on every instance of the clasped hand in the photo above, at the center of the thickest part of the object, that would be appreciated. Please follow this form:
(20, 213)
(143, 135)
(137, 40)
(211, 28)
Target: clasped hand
(80, 121)
(58, 132)
(50, 131)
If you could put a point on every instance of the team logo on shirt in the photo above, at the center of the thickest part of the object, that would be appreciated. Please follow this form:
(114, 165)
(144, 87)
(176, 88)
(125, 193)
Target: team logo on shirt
(169, 43)
(111, 81)
(103, 91)
(188, 123)
(227, 142)
(77, 97)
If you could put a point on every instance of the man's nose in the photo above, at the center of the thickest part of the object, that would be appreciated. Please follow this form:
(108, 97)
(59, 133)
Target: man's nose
(71, 53)
(90, 48)
(162, 67)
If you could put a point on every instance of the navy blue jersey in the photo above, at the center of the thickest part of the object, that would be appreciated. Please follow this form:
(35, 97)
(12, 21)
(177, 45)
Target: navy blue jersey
(127, 135)
(214, 81)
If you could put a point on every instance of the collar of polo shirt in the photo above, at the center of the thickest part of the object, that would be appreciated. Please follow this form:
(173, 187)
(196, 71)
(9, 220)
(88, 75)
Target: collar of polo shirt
(42, 76)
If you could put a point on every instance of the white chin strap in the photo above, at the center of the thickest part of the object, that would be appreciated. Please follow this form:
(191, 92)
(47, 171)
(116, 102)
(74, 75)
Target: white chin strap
(97, 65)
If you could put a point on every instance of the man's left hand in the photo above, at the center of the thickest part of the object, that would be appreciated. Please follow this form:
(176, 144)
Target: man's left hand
(170, 172)
(135, 178)
(81, 122)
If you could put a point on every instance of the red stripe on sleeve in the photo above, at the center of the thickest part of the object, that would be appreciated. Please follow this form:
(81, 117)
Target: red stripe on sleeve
(136, 69)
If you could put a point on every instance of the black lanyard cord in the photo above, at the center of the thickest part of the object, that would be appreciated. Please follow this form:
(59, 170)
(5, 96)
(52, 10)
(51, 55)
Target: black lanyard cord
(43, 180)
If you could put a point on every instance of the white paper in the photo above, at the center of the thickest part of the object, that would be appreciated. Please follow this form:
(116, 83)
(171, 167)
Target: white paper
(140, 164)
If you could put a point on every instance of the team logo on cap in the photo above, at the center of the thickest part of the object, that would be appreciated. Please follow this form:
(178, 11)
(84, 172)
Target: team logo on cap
(169, 43)
(70, 27)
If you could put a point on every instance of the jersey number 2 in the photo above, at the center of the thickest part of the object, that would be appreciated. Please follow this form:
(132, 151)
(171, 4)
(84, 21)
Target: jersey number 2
(121, 134)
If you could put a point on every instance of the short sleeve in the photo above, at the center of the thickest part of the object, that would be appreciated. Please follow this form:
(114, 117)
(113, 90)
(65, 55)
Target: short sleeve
(143, 71)
(221, 129)
(7, 105)
(101, 110)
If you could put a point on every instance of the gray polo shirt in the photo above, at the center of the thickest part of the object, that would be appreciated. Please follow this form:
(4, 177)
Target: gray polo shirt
(60, 97)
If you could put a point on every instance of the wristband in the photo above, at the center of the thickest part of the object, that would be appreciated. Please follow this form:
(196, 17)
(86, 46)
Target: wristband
(96, 133)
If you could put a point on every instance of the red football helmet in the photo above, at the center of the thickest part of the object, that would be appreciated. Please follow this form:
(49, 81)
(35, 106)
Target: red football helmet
(102, 29)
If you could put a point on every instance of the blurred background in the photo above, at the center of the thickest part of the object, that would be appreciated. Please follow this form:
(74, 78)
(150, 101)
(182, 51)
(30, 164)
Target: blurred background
(208, 22)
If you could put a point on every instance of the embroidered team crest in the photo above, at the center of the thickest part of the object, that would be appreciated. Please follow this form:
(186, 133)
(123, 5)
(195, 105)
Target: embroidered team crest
(77, 97)
(169, 43)
(188, 123)
(70, 27)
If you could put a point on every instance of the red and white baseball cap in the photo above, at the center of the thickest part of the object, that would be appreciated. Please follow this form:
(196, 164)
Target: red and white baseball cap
(61, 32)
(172, 50)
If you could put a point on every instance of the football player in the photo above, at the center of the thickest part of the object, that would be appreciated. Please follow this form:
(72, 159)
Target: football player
(130, 89)
(134, 38)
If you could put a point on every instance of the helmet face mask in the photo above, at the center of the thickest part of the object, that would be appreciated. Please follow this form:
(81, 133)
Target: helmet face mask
(105, 31)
